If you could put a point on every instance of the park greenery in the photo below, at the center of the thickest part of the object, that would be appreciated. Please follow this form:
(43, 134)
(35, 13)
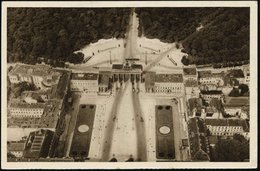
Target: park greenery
(234, 149)
(21, 87)
(222, 41)
(51, 35)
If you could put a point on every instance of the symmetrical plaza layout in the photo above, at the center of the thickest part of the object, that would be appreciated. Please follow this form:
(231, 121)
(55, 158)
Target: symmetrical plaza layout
(131, 99)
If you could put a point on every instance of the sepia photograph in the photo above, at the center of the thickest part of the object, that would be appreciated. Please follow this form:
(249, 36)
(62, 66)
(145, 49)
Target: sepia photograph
(100, 84)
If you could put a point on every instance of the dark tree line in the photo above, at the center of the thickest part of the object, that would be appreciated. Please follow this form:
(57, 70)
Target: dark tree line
(223, 41)
(170, 24)
(231, 150)
(55, 33)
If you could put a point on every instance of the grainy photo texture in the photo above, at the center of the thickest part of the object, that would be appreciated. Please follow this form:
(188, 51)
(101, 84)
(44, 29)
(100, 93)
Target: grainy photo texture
(128, 84)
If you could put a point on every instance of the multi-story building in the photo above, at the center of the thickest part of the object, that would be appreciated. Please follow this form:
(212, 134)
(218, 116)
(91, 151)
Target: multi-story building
(38, 144)
(35, 74)
(16, 148)
(190, 73)
(164, 83)
(227, 127)
(149, 78)
(199, 146)
(209, 95)
(237, 74)
(246, 70)
(104, 82)
(87, 82)
(195, 107)
(209, 87)
(207, 77)
(234, 105)
(169, 83)
(22, 109)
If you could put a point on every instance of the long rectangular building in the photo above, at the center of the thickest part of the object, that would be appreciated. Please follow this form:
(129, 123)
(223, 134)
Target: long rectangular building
(164, 83)
(21, 109)
(87, 82)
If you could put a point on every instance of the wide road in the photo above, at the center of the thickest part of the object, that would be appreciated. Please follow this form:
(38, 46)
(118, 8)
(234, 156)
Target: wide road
(73, 117)
(140, 127)
(131, 36)
(111, 123)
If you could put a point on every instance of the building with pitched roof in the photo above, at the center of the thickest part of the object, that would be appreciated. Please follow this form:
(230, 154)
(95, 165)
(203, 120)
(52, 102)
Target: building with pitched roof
(207, 77)
(87, 82)
(234, 105)
(149, 78)
(38, 144)
(190, 76)
(195, 107)
(104, 82)
(36, 74)
(199, 147)
(21, 109)
(163, 83)
(227, 127)
(237, 74)
(16, 148)
(168, 83)
(209, 95)
(246, 70)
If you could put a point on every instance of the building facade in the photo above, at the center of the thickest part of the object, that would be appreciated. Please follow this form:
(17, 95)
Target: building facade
(16, 148)
(86, 82)
(21, 109)
(227, 127)
(190, 73)
(34, 74)
(199, 145)
(104, 82)
(246, 70)
(38, 144)
(164, 83)
(209, 95)
(207, 77)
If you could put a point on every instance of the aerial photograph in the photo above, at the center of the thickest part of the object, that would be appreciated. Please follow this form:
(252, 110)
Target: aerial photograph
(128, 84)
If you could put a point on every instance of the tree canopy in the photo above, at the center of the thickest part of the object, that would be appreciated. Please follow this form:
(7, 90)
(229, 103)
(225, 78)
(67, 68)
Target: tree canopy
(223, 38)
(55, 33)
(232, 150)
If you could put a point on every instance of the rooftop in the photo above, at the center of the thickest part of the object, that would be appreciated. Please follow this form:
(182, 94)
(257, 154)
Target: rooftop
(228, 122)
(189, 71)
(137, 66)
(213, 139)
(104, 79)
(37, 95)
(19, 104)
(206, 74)
(84, 76)
(195, 103)
(117, 66)
(210, 110)
(42, 149)
(198, 140)
(169, 78)
(236, 101)
(50, 115)
(149, 79)
(38, 70)
(15, 146)
(191, 83)
(236, 73)
(211, 92)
